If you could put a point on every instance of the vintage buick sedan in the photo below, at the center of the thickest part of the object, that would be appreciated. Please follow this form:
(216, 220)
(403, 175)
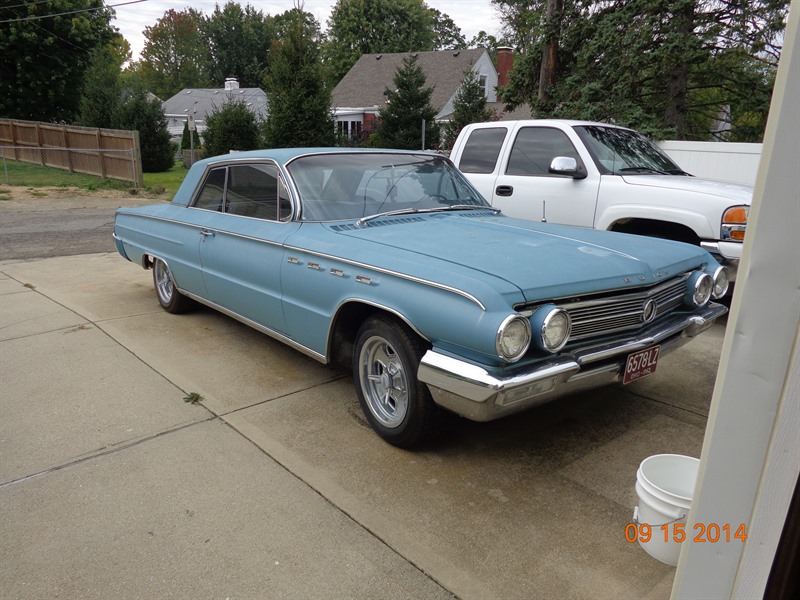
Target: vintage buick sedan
(391, 262)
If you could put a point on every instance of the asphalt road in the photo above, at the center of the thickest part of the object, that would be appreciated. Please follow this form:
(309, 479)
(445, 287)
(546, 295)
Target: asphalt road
(48, 227)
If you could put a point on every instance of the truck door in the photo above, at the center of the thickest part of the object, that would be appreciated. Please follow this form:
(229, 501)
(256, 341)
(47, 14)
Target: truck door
(526, 189)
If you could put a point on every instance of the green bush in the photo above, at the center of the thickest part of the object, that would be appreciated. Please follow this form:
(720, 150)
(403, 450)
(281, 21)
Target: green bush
(146, 116)
(231, 127)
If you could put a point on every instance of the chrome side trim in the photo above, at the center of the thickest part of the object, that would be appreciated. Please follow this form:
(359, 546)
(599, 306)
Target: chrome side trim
(361, 265)
(216, 229)
(258, 327)
(397, 274)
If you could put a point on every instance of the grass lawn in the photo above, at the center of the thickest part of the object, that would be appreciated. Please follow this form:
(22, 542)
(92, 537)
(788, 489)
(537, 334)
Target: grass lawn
(33, 176)
(169, 180)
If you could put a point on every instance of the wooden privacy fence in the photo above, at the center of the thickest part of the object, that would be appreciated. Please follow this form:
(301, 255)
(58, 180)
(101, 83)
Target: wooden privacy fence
(107, 153)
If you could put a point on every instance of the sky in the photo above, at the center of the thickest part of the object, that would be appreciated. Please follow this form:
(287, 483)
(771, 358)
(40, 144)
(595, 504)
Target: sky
(471, 16)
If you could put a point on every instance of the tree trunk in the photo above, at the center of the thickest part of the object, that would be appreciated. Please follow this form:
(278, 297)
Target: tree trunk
(547, 73)
(675, 109)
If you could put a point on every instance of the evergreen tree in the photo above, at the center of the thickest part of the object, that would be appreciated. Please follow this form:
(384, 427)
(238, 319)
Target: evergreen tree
(145, 115)
(400, 121)
(469, 106)
(299, 100)
(186, 140)
(101, 92)
(666, 67)
(232, 126)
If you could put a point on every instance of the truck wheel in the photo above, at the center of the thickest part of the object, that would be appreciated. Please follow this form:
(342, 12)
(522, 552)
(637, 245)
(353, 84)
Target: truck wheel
(385, 362)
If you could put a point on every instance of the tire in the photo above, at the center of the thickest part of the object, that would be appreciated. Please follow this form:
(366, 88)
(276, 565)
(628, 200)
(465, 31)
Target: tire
(385, 362)
(170, 299)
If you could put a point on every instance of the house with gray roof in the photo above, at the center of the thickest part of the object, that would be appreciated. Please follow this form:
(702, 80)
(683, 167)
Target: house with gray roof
(360, 95)
(201, 102)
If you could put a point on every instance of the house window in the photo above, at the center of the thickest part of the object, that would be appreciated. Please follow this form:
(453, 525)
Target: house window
(349, 129)
(482, 83)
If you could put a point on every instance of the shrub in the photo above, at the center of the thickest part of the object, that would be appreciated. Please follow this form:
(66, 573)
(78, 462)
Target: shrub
(231, 127)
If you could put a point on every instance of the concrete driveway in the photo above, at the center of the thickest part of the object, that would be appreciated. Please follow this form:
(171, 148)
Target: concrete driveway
(273, 486)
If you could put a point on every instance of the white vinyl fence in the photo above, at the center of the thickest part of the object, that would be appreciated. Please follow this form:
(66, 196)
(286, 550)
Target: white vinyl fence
(723, 161)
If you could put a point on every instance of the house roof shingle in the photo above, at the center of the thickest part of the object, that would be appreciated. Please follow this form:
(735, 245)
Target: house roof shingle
(202, 101)
(365, 83)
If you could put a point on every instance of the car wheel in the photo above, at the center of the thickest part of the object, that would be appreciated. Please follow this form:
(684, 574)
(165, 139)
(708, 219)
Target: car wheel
(397, 405)
(169, 297)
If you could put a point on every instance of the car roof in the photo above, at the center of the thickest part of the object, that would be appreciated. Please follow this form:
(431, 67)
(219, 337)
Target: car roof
(284, 155)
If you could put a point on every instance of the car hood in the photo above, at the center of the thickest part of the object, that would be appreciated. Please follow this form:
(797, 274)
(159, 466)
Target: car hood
(541, 261)
(735, 193)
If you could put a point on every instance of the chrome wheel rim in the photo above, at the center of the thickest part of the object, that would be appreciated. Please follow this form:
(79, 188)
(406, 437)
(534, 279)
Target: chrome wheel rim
(164, 286)
(384, 382)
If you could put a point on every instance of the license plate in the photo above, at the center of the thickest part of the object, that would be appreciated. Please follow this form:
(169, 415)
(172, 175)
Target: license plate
(640, 364)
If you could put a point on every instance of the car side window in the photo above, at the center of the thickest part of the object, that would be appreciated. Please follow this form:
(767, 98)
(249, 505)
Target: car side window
(256, 191)
(482, 149)
(535, 148)
(213, 191)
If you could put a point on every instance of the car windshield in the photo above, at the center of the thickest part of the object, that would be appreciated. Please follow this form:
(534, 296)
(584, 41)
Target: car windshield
(618, 151)
(344, 186)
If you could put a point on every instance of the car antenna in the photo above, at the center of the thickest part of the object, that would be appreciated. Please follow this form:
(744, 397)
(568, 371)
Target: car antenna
(544, 211)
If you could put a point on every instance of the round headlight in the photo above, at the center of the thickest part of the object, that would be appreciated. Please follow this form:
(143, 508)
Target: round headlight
(513, 338)
(552, 327)
(700, 286)
(721, 283)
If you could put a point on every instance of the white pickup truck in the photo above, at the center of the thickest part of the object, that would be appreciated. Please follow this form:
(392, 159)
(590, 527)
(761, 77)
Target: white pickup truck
(602, 176)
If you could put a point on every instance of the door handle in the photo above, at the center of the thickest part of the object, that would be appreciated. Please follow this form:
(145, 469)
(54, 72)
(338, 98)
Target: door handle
(206, 233)
(504, 190)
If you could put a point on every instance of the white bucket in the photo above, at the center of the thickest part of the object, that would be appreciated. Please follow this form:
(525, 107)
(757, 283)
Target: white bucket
(665, 484)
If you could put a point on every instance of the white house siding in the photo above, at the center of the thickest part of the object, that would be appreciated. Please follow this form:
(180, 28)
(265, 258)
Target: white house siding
(723, 161)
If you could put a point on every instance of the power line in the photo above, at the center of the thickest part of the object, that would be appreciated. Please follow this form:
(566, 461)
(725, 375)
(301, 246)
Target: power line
(26, 4)
(71, 12)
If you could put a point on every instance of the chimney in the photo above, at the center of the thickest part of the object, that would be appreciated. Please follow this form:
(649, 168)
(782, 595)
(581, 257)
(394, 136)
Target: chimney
(505, 60)
(231, 83)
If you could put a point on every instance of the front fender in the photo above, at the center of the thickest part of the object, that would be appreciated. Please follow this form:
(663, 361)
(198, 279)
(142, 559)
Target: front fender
(622, 212)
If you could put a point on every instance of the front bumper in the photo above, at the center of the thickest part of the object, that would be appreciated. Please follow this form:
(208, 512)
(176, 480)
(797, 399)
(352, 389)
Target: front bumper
(480, 395)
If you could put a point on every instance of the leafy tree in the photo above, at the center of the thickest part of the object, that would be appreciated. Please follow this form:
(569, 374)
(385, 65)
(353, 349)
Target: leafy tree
(469, 106)
(239, 40)
(232, 126)
(358, 27)
(448, 34)
(489, 42)
(400, 122)
(43, 58)
(667, 67)
(175, 55)
(145, 115)
(299, 100)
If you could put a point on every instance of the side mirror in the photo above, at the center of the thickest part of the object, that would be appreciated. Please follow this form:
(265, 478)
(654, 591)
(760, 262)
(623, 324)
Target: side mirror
(564, 165)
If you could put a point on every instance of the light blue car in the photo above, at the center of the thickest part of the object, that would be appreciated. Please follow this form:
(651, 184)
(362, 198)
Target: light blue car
(391, 262)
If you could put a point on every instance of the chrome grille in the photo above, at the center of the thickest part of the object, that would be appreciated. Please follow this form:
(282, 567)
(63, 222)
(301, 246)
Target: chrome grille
(598, 316)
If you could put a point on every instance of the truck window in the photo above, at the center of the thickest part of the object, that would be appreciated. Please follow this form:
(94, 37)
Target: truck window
(482, 149)
(535, 148)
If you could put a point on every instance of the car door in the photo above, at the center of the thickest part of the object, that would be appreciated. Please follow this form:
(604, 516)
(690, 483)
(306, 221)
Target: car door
(242, 252)
(525, 187)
